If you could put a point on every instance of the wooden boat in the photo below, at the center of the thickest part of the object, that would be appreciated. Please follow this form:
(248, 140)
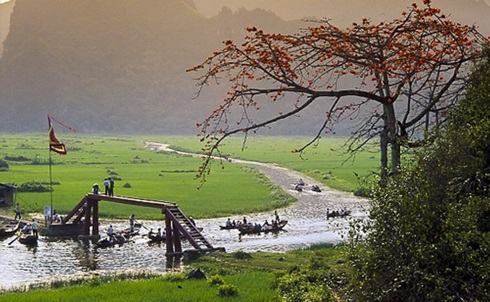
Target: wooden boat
(136, 231)
(106, 242)
(6, 232)
(231, 227)
(28, 239)
(338, 214)
(264, 229)
(156, 239)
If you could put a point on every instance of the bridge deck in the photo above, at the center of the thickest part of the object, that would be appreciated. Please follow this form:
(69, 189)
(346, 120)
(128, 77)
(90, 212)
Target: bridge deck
(132, 201)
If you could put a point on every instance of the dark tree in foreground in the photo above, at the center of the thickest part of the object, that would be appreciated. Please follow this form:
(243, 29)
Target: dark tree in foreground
(418, 61)
(429, 235)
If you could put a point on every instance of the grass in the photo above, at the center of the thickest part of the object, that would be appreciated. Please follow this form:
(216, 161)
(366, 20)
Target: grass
(254, 276)
(325, 162)
(232, 190)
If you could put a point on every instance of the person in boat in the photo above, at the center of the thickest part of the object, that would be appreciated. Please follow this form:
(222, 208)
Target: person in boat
(274, 224)
(276, 215)
(301, 182)
(258, 227)
(35, 228)
(159, 233)
(56, 217)
(111, 186)
(132, 221)
(233, 223)
(151, 233)
(18, 212)
(245, 221)
(106, 186)
(110, 233)
(228, 223)
(95, 189)
(266, 223)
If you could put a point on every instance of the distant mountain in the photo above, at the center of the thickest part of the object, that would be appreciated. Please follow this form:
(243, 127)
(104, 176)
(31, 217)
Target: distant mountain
(344, 12)
(112, 65)
(119, 65)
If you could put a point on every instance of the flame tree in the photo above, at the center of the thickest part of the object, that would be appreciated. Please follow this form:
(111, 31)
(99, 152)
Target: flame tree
(408, 73)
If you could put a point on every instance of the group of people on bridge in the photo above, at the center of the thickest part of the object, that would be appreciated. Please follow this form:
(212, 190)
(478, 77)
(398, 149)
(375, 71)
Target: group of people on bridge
(108, 187)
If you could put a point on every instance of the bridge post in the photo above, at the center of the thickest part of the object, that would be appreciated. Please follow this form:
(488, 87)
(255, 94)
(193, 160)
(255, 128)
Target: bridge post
(95, 220)
(169, 234)
(86, 229)
(176, 235)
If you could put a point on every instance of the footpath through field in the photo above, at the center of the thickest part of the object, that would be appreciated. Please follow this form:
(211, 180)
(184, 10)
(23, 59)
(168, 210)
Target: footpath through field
(307, 217)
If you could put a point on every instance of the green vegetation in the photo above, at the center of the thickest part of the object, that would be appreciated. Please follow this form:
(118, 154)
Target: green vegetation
(4, 166)
(138, 172)
(429, 239)
(256, 278)
(327, 162)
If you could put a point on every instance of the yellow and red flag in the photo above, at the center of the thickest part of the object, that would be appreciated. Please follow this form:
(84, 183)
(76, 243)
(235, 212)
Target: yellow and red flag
(54, 144)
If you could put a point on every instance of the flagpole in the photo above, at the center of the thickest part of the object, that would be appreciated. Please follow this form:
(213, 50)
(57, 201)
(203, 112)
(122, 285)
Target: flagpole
(50, 186)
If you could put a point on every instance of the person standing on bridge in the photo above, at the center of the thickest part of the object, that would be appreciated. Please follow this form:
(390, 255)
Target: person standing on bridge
(111, 186)
(106, 187)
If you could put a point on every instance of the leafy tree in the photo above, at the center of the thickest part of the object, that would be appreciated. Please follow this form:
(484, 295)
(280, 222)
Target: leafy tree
(418, 62)
(429, 235)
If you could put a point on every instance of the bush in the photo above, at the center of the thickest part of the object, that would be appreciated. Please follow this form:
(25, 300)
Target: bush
(363, 192)
(298, 287)
(241, 255)
(33, 187)
(227, 290)
(127, 185)
(428, 239)
(216, 280)
(4, 166)
(19, 158)
(174, 277)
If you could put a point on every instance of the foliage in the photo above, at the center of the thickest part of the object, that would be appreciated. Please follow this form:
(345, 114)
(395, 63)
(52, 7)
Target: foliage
(215, 280)
(19, 158)
(227, 290)
(428, 239)
(4, 166)
(421, 55)
(241, 255)
(33, 187)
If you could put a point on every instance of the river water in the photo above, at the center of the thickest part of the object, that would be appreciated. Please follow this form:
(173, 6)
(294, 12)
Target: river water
(307, 226)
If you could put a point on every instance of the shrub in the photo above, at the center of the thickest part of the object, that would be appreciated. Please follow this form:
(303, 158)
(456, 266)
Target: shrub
(174, 277)
(19, 158)
(241, 255)
(363, 192)
(298, 287)
(216, 280)
(227, 290)
(33, 187)
(127, 185)
(4, 166)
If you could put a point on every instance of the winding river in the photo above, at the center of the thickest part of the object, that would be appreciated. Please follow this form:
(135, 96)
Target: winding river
(68, 258)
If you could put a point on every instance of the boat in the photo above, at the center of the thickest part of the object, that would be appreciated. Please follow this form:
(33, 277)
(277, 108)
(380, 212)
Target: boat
(136, 231)
(264, 229)
(156, 239)
(231, 227)
(6, 232)
(338, 214)
(28, 239)
(106, 242)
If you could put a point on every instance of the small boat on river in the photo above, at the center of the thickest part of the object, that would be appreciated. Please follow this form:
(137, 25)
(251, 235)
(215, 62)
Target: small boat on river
(228, 227)
(249, 230)
(28, 239)
(8, 231)
(156, 239)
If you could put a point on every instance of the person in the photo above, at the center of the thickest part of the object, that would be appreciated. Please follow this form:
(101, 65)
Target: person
(244, 221)
(228, 223)
(18, 213)
(95, 189)
(150, 233)
(159, 233)
(266, 223)
(301, 182)
(111, 186)
(276, 216)
(34, 228)
(274, 225)
(110, 233)
(56, 217)
(132, 221)
(106, 187)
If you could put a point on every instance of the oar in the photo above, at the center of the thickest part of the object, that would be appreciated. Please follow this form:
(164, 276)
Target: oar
(14, 240)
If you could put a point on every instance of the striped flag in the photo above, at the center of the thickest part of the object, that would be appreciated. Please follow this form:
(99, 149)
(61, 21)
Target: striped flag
(54, 144)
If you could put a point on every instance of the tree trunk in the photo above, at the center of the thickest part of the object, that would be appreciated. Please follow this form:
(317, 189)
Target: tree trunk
(384, 157)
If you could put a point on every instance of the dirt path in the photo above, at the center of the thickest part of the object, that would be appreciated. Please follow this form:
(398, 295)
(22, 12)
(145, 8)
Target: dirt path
(307, 217)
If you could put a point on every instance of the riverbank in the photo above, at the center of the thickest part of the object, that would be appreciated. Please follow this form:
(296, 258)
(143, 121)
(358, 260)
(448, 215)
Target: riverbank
(255, 276)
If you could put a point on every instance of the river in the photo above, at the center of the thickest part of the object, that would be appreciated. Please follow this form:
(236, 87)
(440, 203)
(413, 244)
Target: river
(307, 226)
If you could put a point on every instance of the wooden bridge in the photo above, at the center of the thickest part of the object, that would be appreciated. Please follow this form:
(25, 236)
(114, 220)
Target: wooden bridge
(84, 220)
